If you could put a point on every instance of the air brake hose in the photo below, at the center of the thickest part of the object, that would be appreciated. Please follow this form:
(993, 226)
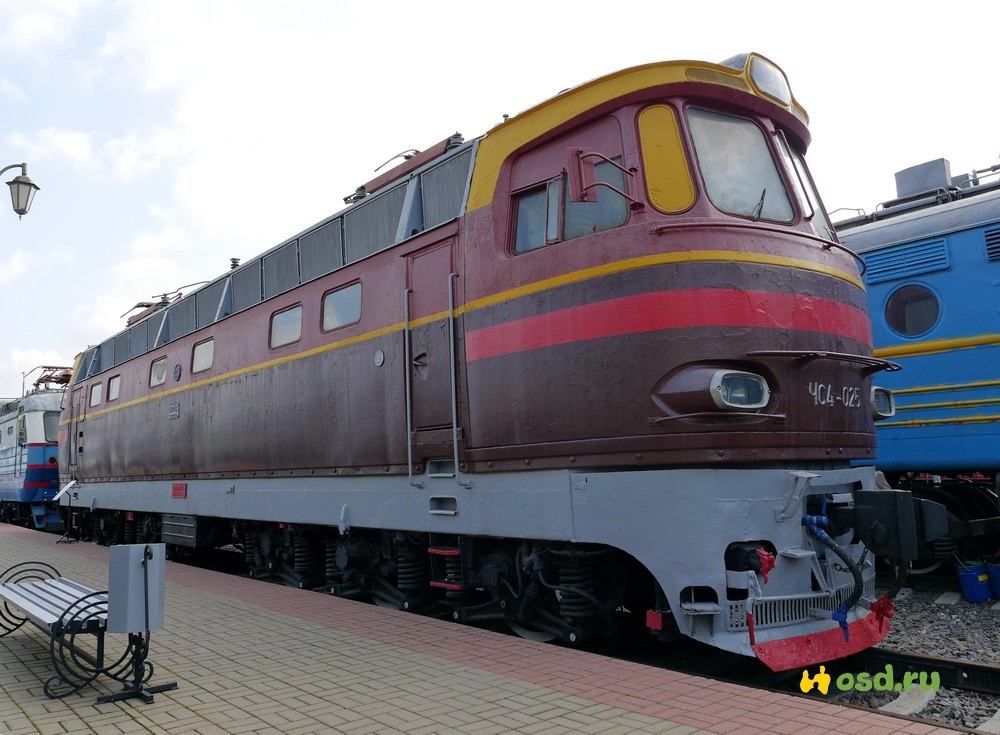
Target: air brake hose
(883, 607)
(813, 525)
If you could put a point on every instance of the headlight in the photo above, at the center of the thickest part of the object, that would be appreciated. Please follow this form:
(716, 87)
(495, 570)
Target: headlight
(883, 403)
(770, 80)
(739, 391)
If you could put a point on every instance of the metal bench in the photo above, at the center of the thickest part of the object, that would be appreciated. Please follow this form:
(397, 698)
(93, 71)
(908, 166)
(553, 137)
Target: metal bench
(66, 611)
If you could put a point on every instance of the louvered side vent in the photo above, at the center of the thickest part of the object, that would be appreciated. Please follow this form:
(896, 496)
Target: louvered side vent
(992, 238)
(903, 261)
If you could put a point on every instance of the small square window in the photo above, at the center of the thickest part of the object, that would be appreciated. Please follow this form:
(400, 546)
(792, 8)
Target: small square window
(286, 327)
(342, 307)
(96, 391)
(158, 372)
(114, 385)
(203, 356)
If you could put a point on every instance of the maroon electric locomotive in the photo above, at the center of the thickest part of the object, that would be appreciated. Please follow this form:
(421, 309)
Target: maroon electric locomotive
(605, 366)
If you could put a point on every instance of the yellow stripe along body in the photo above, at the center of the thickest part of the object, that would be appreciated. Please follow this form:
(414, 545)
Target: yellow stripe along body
(690, 256)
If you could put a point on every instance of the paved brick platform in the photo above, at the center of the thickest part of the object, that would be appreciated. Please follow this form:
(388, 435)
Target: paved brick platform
(252, 657)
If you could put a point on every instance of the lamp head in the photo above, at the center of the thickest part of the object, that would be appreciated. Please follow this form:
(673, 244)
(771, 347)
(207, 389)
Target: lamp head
(22, 193)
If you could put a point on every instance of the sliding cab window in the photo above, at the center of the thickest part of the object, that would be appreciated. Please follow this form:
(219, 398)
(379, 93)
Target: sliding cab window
(203, 356)
(342, 307)
(286, 327)
(96, 392)
(545, 215)
(158, 372)
(114, 386)
(740, 174)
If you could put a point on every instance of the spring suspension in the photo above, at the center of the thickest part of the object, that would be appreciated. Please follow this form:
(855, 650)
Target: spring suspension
(945, 548)
(453, 569)
(411, 569)
(251, 549)
(575, 574)
(307, 554)
(453, 575)
(330, 568)
(130, 532)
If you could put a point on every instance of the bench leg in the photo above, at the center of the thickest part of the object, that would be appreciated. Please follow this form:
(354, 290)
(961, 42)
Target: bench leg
(136, 672)
(74, 667)
(9, 620)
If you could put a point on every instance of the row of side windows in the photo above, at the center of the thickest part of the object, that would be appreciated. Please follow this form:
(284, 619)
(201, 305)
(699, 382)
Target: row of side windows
(97, 390)
(341, 308)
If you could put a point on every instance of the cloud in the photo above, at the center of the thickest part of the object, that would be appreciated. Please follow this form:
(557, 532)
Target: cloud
(15, 265)
(18, 361)
(156, 266)
(41, 24)
(10, 90)
(104, 316)
(58, 144)
(132, 156)
(136, 154)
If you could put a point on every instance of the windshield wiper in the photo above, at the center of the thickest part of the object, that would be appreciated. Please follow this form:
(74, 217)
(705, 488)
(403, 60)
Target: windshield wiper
(755, 215)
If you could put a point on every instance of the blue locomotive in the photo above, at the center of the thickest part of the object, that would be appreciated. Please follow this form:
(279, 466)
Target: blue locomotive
(29, 465)
(933, 281)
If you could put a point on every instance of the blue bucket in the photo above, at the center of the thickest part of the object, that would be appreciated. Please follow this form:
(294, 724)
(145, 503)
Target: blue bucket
(974, 580)
(993, 570)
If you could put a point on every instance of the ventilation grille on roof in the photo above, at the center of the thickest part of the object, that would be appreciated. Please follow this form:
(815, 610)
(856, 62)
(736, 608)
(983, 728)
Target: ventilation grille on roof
(907, 260)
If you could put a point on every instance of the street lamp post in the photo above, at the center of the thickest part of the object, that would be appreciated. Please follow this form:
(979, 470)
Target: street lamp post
(22, 189)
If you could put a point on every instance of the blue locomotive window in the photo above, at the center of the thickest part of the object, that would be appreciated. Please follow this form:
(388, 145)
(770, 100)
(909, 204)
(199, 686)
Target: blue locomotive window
(286, 327)
(737, 167)
(50, 421)
(912, 310)
(342, 307)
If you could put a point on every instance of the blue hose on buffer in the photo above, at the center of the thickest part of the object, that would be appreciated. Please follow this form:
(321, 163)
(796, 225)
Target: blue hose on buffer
(814, 525)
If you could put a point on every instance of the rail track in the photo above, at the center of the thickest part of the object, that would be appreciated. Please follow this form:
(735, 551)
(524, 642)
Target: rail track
(964, 675)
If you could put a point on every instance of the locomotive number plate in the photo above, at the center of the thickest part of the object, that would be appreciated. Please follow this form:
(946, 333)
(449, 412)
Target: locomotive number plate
(825, 394)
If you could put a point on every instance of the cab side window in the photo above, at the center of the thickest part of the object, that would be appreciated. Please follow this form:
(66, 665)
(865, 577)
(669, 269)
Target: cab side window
(544, 213)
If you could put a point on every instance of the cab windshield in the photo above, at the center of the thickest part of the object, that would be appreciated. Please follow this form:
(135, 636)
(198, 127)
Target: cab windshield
(739, 172)
(51, 422)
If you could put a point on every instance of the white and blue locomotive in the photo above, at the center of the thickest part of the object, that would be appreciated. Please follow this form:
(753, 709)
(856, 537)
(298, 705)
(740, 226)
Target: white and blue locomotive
(29, 466)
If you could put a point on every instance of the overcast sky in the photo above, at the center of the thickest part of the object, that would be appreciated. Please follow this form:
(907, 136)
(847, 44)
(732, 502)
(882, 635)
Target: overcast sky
(168, 137)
